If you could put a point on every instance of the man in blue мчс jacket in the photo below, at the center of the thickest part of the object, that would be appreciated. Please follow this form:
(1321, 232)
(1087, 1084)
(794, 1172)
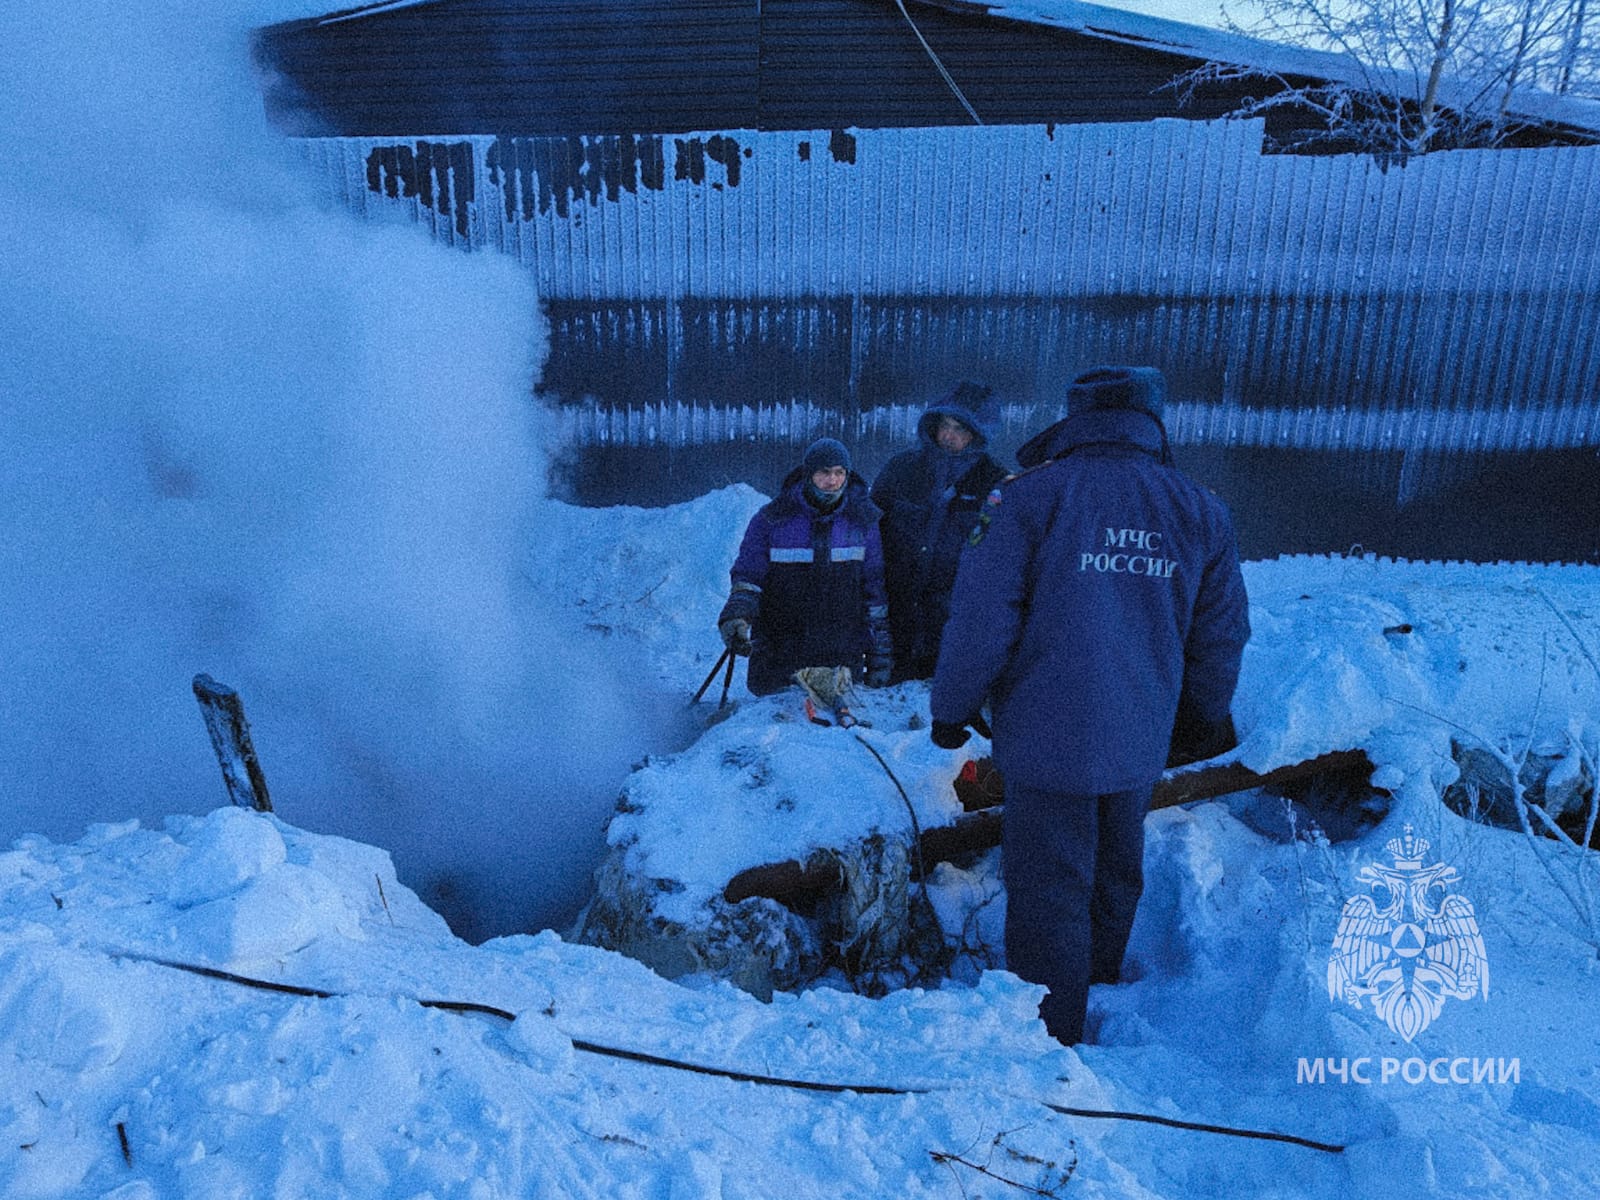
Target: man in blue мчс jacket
(808, 582)
(1100, 611)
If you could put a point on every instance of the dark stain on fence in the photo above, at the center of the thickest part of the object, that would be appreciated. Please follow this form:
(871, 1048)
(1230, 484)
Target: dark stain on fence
(693, 152)
(537, 174)
(439, 174)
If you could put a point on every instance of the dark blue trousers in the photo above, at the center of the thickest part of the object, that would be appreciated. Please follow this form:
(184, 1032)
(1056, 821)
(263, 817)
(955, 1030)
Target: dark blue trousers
(1074, 871)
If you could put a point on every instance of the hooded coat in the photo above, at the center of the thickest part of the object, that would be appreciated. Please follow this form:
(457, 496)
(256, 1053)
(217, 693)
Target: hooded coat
(1100, 595)
(811, 585)
(930, 500)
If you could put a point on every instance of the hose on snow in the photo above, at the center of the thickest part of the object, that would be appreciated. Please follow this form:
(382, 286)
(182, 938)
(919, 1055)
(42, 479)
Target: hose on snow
(656, 1060)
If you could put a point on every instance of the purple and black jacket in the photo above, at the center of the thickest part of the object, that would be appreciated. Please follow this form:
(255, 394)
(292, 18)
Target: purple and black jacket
(811, 586)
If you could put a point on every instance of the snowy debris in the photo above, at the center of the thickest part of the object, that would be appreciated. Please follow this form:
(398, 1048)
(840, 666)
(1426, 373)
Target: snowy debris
(768, 786)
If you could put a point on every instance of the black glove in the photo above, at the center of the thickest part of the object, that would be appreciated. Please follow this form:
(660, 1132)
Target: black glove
(736, 635)
(1195, 740)
(950, 735)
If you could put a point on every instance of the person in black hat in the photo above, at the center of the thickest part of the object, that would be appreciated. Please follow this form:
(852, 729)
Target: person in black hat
(930, 499)
(1099, 609)
(807, 586)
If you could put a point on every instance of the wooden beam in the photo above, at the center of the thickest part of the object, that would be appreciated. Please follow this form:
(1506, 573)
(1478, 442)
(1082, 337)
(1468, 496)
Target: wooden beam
(971, 831)
(787, 881)
(795, 882)
(1202, 782)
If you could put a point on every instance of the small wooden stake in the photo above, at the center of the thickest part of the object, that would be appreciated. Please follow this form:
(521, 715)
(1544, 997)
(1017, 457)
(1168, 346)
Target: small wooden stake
(230, 738)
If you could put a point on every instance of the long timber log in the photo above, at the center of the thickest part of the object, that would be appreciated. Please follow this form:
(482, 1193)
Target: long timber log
(792, 881)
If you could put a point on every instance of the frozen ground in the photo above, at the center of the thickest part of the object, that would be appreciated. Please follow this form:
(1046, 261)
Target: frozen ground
(127, 1075)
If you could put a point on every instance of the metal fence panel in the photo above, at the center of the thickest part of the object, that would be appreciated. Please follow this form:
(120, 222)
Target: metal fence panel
(1328, 300)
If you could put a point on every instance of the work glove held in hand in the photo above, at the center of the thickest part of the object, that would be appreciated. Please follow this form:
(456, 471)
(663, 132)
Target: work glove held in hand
(950, 735)
(736, 635)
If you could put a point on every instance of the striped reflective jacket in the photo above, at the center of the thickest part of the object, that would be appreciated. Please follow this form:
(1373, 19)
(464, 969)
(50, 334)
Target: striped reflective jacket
(811, 585)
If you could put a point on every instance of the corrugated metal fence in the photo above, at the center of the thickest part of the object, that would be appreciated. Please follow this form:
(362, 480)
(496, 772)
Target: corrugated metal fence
(1294, 300)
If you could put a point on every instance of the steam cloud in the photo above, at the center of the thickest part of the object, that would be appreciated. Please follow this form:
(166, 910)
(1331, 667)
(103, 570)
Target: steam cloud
(252, 438)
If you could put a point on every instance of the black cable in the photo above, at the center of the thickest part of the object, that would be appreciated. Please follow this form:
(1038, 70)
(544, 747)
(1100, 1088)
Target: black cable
(916, 828)
(489, 1010)
(654, 1060)
(939, 66)
(1103, 1114)
(265, 985)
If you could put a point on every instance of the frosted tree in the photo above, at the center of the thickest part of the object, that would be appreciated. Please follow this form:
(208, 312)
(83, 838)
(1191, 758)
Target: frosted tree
(1579, 67)
(1410, 76)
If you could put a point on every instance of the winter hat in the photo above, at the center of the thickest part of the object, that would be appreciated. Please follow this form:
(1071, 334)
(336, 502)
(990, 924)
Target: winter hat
(1141, 388)
(823, 453)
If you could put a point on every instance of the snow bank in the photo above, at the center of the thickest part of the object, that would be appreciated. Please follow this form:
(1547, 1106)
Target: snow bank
(127, 1076)
(654, 578)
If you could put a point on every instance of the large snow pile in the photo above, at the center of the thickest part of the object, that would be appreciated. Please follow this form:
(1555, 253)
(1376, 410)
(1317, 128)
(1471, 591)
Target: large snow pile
(402, 1062)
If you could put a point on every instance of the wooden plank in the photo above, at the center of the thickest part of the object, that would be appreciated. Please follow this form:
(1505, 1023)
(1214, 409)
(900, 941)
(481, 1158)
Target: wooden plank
(1200, 781)
(230, 738)
(1207, 782)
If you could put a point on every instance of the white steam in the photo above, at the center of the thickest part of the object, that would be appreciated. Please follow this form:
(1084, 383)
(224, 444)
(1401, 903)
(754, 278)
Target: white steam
(243, 436)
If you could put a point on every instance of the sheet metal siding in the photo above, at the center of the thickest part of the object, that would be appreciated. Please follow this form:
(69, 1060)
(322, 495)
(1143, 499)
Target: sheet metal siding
(1465, 283)
(1171, 208)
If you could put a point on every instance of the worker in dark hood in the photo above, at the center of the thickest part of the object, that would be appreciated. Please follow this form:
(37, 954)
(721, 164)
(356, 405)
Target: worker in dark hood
(808, 582)
(1099, 605)
(930, 498)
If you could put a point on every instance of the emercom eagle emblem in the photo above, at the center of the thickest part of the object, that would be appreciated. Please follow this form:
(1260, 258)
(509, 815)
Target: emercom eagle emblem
(1410, 944)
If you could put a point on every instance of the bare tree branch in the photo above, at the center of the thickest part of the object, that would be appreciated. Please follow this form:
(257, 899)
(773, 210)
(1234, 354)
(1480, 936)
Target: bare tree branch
(1413, 76)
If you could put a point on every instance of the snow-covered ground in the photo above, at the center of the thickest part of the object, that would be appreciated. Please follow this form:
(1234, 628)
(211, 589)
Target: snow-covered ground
(410, 1064)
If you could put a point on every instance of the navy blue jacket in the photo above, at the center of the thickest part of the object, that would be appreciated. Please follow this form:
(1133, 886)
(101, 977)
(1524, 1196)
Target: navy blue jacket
(930, 501)
(811, 586)
(1103, 591)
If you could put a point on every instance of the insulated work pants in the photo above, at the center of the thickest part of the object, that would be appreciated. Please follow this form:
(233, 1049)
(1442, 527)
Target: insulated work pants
(1074, 871)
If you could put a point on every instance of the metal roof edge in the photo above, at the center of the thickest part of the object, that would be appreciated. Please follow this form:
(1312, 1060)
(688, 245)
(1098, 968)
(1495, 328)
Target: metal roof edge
(1242, 49)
